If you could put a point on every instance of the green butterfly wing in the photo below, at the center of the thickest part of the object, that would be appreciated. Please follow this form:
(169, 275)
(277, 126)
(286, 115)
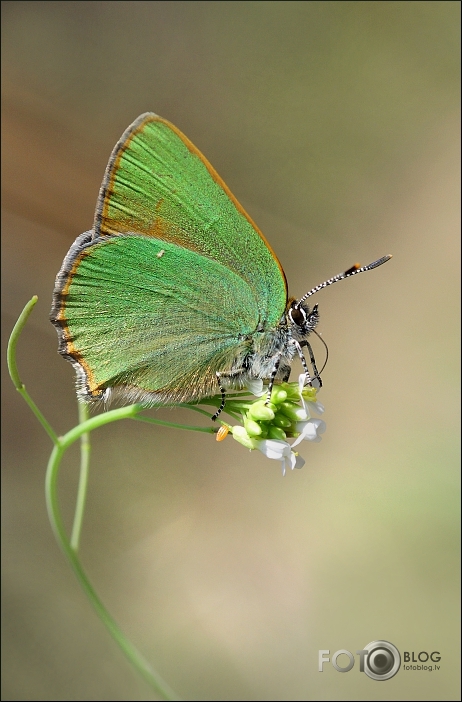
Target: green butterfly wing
(172, 282)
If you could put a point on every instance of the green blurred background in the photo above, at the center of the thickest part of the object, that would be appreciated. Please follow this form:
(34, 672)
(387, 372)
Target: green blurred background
(336, 124)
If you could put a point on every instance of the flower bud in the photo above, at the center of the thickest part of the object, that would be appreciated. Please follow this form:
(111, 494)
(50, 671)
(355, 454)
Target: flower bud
(260, 411)
(281, 421)
(294, 412)
(278, 394)
(252, 427)
(276, 433)
(293, 392)
(240, 434)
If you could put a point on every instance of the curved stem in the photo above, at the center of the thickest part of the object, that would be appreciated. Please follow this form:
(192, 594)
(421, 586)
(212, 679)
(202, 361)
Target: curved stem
(51, 492)
(13, 340)
(13, 368)
(61, 444)
(85, 448)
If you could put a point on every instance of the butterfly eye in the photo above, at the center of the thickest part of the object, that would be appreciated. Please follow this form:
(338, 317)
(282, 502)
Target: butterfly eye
(297, 315)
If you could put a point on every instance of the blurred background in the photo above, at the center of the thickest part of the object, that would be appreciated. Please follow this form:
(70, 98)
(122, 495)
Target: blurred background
(336, 124)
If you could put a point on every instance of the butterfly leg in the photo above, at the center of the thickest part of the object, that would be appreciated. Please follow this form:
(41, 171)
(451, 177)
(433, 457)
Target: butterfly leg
(223, 398)
(272, 379)
(312, 361)
(308, 380)
(284, 372)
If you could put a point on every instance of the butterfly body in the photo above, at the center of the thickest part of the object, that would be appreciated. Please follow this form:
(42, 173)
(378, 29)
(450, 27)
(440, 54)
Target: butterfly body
(174, 294)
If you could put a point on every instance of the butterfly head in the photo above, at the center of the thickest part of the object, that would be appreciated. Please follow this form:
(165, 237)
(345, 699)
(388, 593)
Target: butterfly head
(301, 318)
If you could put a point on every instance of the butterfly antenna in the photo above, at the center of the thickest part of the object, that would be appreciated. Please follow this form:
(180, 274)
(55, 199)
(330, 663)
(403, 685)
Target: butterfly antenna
(325, 346)
(351, 271)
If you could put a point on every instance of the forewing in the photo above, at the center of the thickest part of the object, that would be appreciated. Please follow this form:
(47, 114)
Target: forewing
(159, 185)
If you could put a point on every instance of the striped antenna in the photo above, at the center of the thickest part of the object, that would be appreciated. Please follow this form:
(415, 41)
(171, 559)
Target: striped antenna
(351, 271)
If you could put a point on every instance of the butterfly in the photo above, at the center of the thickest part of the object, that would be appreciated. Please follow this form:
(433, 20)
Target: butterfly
(175, 294)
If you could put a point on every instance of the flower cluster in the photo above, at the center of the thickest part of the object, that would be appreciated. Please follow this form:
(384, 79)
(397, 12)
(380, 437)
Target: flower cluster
(267, 425)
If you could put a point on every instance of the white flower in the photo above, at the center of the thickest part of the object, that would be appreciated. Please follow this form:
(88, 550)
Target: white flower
(297, 414)
(280, 451)
(310, 431)
(317, 407)
(309, 405)
(288, 416)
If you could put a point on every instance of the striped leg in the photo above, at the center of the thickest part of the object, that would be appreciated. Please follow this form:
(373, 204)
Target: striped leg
(308, 380)
(271, 380)
(312, 361)
(223, 398)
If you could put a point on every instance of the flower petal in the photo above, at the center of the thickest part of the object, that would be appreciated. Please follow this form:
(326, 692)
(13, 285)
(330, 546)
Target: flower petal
(310, 431)
(316, 407)
(296, 461)
(255, 386)
(273, 448)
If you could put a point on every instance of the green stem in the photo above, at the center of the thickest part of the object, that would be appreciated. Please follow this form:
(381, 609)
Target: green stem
(85, 448)
(13, 340)
(51, 492)
(99, 421)
(129, 412)
(61, 444)
(173, 425)
(45, 424)
(13, 368)
(194, 409)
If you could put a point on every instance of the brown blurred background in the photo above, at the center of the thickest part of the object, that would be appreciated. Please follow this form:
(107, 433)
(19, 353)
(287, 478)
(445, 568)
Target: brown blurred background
(336, 124)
